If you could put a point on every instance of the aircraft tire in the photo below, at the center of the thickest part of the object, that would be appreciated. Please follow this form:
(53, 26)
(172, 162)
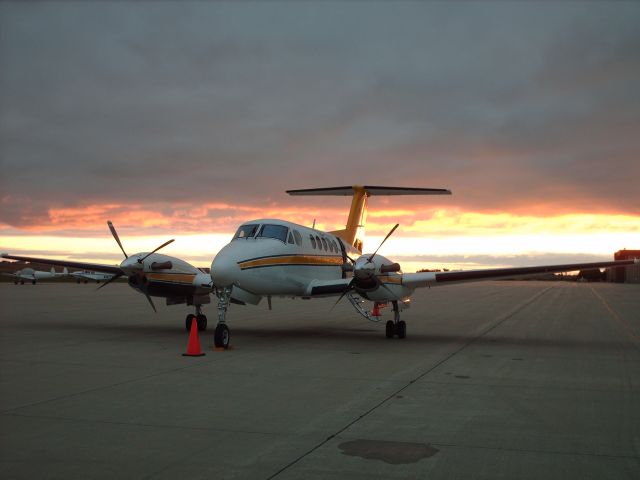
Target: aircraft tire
(202, 322)
(188, 320)
(402, 329)
(221, 336)
(390, 329)
(33, 282)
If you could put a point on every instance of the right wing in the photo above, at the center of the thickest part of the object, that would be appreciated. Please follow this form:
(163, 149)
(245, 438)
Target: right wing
(98, 267)
(427, 279)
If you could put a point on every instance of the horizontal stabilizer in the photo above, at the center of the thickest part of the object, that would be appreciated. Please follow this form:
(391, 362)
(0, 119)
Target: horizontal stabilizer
(371, 190)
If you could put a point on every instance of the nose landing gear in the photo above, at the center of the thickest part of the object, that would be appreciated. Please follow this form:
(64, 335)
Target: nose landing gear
(222, 335)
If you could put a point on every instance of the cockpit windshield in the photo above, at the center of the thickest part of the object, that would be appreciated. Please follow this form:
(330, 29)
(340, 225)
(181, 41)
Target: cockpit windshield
(246, 231)
(274, 231)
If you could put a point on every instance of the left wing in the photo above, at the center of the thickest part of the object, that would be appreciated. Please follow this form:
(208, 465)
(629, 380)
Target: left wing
(427, 279)
(98, 267)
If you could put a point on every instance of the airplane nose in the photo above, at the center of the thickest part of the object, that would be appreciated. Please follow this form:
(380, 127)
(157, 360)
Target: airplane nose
(224, 271)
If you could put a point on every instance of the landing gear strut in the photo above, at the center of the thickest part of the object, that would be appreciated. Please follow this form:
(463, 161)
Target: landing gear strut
(199, 317)
(396, 326)
(222, 336)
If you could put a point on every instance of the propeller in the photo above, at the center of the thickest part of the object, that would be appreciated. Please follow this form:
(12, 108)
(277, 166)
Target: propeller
(118, 275)
(394, 267)
(382, 243)
(150, 301)
(115, 235)
(140, 260)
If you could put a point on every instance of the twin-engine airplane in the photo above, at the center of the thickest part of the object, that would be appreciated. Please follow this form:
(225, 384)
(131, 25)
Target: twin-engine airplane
(31, 275)
(152, 274)
(269, 257)
(86, 276)
(274, 257)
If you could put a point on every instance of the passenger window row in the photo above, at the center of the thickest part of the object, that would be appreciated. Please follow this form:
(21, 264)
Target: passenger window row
(322, 243)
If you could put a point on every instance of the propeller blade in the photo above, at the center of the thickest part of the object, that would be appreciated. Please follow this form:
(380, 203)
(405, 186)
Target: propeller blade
(109, 281)
(346, 290)
(382, 243)
(150, 301)
(115, 236)
(140, 260)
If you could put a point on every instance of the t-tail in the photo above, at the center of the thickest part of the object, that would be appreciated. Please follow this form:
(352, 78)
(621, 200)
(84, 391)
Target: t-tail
(353, 233)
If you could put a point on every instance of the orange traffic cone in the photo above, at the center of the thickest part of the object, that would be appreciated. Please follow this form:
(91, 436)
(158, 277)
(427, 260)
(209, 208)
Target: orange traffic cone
(376, 310)
(193, 348)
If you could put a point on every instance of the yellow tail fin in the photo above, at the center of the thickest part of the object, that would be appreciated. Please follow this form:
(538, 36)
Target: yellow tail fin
(354, 230)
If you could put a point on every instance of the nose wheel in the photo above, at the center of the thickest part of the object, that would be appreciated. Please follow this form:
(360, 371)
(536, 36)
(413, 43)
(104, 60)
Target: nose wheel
(222, 336)
(396, 327)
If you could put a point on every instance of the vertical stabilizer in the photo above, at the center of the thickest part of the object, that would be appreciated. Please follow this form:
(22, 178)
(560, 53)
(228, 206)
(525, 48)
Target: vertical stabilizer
(353, 232)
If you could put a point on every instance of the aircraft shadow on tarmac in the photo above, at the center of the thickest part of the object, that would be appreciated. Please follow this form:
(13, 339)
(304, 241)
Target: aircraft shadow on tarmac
(332, 335)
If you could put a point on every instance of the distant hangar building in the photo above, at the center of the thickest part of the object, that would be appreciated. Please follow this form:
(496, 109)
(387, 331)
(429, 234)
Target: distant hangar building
(629, 274)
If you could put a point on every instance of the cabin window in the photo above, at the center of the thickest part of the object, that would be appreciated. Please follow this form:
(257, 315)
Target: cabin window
(313, 241)
(319, 242)
(297, 237)
(279, 232)
(246, 231)
(325, 244)
(290, 239)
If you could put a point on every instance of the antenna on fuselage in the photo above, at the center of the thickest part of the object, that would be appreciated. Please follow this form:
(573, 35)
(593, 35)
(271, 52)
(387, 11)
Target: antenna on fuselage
(314, 224)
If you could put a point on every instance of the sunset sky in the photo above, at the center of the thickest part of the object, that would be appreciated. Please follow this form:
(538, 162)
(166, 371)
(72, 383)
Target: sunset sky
(182, 120)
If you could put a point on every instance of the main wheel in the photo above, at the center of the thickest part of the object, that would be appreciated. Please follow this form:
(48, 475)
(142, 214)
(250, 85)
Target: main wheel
(401, 329)
(188, 320)
(33, 282)
(221, 336)
(202, 322)
(390, 329)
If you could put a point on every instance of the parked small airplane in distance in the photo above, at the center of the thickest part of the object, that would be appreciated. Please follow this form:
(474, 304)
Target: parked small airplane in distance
(86, 276)
(269, 257)
(33, 276)
(153, 275)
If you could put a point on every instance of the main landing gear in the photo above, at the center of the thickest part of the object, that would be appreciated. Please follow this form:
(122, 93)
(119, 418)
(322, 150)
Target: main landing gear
(222, 335)
(200, 318)
(396, 326)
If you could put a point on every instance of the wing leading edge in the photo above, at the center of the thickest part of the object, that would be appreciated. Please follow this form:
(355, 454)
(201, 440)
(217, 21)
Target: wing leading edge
(98, 267)
(426, 279)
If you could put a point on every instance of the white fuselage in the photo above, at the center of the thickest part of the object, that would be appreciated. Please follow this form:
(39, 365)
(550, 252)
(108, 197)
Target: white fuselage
(276, 257)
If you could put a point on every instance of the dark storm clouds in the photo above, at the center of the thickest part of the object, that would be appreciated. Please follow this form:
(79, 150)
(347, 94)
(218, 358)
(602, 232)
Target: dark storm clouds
(512, 105)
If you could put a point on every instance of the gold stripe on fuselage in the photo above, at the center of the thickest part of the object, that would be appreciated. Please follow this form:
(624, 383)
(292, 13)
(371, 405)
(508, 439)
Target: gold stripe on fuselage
(309, 260)
(388, 279)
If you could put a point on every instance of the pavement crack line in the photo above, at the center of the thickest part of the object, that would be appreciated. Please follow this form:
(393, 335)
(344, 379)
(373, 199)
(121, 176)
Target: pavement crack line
(101, 387)
(503, 318)
(628, 329)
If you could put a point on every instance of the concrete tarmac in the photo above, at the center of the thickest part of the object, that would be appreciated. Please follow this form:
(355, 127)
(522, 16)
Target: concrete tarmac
(496, 380)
